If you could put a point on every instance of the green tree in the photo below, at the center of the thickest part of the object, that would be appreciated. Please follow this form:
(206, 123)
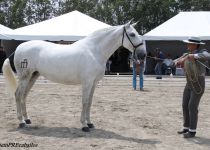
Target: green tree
(3, 9)
(194, 5)
(154, 12)
(116, 12)
(39, 10)
(149, 13)
(18, 13)
(85, 6)
(12, 13)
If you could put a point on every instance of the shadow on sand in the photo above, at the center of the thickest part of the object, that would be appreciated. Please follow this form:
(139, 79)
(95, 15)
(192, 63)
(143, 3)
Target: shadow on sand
(200, 141)
(73, 133)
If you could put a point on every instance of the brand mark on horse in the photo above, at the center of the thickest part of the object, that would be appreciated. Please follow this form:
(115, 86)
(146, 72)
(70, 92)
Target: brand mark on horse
(24, 63)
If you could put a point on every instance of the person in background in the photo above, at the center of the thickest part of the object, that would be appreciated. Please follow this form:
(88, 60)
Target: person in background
(150, 61)
(193, 63)
(168, 65)
(158, 67)
(138, 68)
(108, 66)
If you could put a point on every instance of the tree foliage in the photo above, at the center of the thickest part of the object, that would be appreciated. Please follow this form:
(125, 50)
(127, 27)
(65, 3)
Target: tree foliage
(149, 13)
(12, 13)
(39, 10)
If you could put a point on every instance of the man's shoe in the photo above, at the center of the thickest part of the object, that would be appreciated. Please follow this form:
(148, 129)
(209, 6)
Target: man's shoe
(141, 89)
(158, 77)
(189, 134)
(183, 131)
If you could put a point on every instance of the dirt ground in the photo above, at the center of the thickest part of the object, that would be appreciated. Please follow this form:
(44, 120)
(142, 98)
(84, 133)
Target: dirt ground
(125, 119)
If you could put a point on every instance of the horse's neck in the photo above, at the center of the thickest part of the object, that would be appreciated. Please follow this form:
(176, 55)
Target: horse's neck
(107, 43)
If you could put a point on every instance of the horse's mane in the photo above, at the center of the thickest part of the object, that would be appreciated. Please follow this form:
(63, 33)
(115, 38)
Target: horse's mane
(102, 32)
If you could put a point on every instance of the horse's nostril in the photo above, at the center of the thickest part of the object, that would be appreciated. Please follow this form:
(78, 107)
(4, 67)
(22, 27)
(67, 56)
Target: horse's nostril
(143, 56)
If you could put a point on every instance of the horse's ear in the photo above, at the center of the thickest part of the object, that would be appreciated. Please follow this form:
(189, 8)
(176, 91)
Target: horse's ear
(134, 24)
(129, 23)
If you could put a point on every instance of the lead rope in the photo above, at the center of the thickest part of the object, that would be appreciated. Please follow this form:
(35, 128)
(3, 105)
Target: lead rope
(156, 58)
(11, 54)
(191, 79)
(203, 64)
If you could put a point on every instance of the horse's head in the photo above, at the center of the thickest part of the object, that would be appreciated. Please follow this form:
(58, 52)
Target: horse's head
(133, 41)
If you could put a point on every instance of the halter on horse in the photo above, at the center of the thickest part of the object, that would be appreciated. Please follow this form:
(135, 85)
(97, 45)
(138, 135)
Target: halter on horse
(80, 63)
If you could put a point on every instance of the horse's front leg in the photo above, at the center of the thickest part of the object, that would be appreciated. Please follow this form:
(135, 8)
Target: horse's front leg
(90, 125)
(86, 92)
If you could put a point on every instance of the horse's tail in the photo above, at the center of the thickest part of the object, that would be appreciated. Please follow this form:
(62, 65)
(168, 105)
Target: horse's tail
(9, 75)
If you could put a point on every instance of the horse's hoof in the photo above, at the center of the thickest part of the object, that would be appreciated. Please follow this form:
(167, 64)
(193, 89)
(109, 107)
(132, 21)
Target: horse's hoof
(28, 121)
(22, 125)
(90, 125)
(85, 129)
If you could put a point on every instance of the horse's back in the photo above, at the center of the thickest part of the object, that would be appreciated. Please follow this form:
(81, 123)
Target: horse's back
(29, 52)
(33, 47)
(59, 63)
(30, 48)
(29, 55)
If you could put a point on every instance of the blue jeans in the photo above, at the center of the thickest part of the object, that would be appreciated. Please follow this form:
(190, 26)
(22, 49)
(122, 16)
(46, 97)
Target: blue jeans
(141, 79)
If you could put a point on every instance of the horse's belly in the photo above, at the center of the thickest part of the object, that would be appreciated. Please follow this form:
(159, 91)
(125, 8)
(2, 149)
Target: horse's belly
(62, 80)
(60, 77)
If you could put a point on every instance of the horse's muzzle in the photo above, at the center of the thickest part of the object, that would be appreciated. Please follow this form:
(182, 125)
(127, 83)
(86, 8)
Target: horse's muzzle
(141, 56)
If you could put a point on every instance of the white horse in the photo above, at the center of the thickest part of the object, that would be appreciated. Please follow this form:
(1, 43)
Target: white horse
(80, 63)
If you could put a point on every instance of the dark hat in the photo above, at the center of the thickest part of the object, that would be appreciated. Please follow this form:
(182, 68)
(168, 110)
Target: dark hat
(194, 40)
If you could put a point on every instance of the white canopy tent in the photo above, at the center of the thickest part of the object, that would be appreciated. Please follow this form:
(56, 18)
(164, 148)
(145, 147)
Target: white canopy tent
(3, 31)
(68, 27)
(169, 35)
(182, 26)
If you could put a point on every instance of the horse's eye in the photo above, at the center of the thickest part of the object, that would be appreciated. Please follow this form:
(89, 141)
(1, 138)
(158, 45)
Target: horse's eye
(132, 35)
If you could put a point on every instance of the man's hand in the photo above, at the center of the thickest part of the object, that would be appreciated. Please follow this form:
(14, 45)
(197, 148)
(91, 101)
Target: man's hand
(180, 62)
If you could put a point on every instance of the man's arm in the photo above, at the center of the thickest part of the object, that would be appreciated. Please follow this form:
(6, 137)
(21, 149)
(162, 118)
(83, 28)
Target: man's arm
(203, 55)
(181, 59)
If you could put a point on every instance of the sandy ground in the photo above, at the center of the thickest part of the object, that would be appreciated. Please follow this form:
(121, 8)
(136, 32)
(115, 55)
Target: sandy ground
(125, 119)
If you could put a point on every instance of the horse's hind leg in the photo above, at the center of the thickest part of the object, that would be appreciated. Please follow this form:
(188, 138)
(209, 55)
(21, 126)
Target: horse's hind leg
(32, 80)
(23, 88)
(20, 91)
